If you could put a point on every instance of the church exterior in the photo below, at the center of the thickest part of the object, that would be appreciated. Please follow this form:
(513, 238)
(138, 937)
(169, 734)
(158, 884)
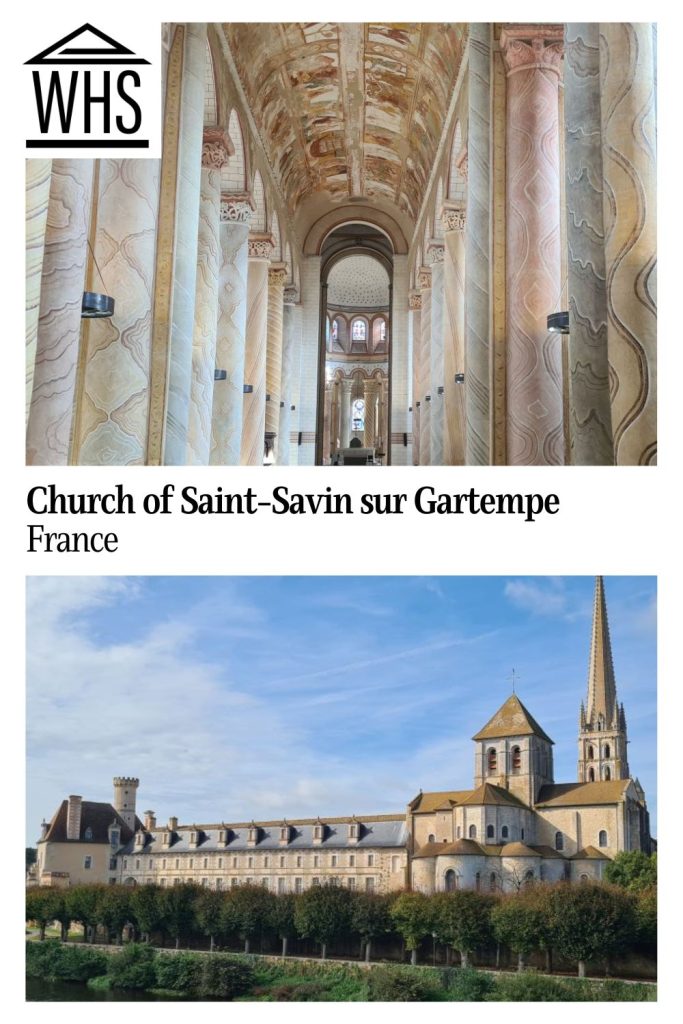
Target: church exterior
(517, 825)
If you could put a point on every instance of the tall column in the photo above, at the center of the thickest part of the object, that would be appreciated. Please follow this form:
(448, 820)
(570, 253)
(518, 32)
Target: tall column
(345, 402)
(335, 417)
(48, 432)
(415, 307)
(190, 140)
(254, 415)
(228, 396)
(435, 256)
(277, 275)
(478, 272)
(630, 209)
(425, 283)
(286, 389)
(215, 155)
(113, 408)
(384, 417)
(454, 334)
(590, 424)
(327, 417)
(533, 57)
(38, 173)
(370, 388)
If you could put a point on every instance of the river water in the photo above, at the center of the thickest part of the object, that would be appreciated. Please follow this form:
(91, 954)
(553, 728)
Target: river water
(40, 991)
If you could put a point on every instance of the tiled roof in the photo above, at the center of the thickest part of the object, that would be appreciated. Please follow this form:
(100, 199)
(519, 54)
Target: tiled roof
(518, 850)
(589, 853)
(95, 816)
(490, 794)
(512, 719)
(424, 803)
(582, 794)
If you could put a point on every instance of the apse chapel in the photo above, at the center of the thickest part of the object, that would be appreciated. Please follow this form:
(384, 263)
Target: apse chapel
(391, 244)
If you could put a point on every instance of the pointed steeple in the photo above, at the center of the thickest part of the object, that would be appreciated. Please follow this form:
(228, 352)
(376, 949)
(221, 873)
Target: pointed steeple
(602, 688)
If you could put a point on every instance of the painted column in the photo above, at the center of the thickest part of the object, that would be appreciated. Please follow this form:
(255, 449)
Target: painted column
(48, 433)
(190, 143)
(454, 334)
(435, 256)
(630, 209)
(345, 428)
(370, 388)
(38, 173)
(334, 417)
(327, 415)
(111, 427)
(286, 390)
(254, 413)
(590, 425)
(277, 275)
(478, 272)
(425, 283)
(415, 307)
(533, 57)
(228, 396)
(215, 155)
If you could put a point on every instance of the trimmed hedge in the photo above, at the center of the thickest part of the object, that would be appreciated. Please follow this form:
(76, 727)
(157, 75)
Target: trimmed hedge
(55, 961)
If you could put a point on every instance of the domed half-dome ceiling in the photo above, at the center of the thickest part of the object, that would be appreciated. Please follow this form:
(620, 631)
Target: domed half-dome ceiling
(360, 282)
(349, 109)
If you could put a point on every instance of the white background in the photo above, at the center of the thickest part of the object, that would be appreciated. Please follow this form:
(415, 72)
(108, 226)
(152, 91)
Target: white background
(621, 521)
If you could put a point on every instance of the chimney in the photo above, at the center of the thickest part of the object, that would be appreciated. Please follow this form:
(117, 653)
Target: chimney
(172, 824)
(73, 817)
(150, 821)
(44, 828)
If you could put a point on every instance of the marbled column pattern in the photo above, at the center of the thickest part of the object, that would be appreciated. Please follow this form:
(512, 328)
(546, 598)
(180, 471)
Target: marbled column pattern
(477, 276)
(228, 396)
(277, 276)
(370, 391)
(415, 306)
(114, 406)
(454, 334)
(630, 210)
(254, 414)
(345, 400)
(436, 356)
(425, 283)
(38, 173)
(533, 56)
(50, 419)
(286, 391)
(215, 155)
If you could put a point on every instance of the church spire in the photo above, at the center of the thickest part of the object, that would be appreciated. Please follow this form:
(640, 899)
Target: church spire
(602, 688)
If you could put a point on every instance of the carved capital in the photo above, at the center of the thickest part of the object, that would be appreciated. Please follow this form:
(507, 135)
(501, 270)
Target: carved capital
(277, 274)
(291, 297)
(216, 148)
(236, 206)
(414, 300)
(527, 47)
(261, 246)
(424, 278)
(453, 216)
(435, 252)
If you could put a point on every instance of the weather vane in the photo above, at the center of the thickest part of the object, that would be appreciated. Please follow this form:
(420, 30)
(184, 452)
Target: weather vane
(514, 676)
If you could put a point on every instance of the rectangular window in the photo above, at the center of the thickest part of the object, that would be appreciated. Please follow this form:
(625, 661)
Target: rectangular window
(351, 883)
(316, 861)
(395, 863)
(162, 881)
(205, 881)
(191, 862)
(112, 863)
(371, 860)
(369, 884)
(299, 861)
(177, 863)
(352, 860)
(250, 862)
(334, 860)
(125, 864)
(282, 862)
(115, 837)
(315, 881)
(137, 865)
(163, 863)
(87, 863)
(281, 885)
(298, 885)
(206, 863)
(220, 862)
(234, 862)
(264, 883)
(234, 883)
(266, 862)
(219, 883)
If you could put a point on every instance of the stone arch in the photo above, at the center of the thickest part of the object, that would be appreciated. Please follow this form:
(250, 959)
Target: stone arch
(450, 880)
(234, 174)
(210, 95)
(259, 221)
(457, 183)
(356, 214)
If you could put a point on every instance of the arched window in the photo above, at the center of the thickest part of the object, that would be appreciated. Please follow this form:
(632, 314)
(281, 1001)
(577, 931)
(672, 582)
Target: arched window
(591, 775)
(606, 750)
(431, 838)
(607, 774)
(383, 330)
(504, 832)
(490, 832)
(529, 879)
(516, 759)
(359, 330)
(473, 832)
(477, 881)
(451, 880)
(559, 841)
(492, 882)
(492, 760)
(602, 837)
(88, 833)
(335, 330)
(591, 755)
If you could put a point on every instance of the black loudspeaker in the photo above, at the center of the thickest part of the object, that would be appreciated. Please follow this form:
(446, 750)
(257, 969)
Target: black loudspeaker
(299, 441)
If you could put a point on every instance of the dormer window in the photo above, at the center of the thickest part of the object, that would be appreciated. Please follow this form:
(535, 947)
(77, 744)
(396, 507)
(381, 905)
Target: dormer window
(354, 831)
(253, 834)
(139, 839)
(88, 833)
(224, 836)
(318, 831)
(193, 838)
(285, 833)
(115, 837)
(167, 839)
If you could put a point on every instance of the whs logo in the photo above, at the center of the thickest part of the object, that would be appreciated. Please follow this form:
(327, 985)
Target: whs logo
(91, 93)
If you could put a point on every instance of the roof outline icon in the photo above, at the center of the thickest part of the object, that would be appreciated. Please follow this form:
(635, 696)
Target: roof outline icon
(113, 53)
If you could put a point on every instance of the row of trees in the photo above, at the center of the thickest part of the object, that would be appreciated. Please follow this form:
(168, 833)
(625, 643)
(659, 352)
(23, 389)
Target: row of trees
(579, 922)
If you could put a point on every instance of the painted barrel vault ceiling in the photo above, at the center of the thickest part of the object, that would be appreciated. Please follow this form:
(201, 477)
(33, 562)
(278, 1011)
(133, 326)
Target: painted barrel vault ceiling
(349, 110)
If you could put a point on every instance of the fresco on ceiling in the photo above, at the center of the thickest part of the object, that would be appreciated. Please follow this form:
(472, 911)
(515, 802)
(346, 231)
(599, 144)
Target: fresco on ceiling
(293, 76)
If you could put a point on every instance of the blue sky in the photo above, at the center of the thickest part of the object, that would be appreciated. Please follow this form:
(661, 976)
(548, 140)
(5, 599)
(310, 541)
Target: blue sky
(241, 697)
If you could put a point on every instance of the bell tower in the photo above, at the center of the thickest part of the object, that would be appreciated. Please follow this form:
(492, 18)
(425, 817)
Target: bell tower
(602, 721)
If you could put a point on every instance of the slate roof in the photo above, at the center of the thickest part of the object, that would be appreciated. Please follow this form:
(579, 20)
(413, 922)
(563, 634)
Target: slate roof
(94, 815)
(512, 719)
(382, 830)
(582, 794)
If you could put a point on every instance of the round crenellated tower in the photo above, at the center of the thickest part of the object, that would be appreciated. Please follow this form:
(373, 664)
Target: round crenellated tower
(125, 790)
